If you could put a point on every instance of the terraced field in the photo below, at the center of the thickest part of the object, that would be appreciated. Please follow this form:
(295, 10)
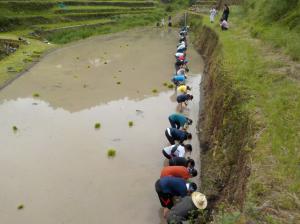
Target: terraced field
(41, 22)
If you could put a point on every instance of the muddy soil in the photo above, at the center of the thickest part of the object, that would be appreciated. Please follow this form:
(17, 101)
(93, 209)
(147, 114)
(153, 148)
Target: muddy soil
(56, 163)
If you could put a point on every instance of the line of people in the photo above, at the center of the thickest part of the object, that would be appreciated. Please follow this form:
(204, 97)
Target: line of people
(174, 181)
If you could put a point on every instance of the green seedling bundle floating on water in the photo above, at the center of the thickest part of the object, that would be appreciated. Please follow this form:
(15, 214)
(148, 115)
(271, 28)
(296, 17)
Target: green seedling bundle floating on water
(36, 95)
(20, 207)
(165, 84)
(111, 153)
(15, 128)
(170, 86)
(130, 123)
(97, 125)
(154, 91)
(119, 83)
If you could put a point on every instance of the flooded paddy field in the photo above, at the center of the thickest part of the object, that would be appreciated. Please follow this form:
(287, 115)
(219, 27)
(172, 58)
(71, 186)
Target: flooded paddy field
(55, 164)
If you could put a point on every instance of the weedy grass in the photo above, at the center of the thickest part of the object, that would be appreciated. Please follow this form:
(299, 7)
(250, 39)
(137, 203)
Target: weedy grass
(272, 99)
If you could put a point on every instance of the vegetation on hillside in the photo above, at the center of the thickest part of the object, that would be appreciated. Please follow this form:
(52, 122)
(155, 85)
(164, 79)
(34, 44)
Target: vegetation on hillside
(276, 21)
(252, 116)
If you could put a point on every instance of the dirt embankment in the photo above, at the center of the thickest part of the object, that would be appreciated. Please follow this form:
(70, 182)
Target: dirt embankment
(226, 129)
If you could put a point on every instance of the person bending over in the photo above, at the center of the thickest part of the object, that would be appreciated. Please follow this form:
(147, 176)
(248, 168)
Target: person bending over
(168, 187)
(179, 121)
(178, 79)
(182, 99)
(174, 134)
(178, 171)
(187, 208)
(177, 150)
(181, 161)
(183, 89)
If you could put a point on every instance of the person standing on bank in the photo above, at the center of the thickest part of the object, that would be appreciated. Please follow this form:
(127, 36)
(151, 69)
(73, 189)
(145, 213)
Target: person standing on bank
(179, 121)
(225, 13)
(213, 13)
(174, 134)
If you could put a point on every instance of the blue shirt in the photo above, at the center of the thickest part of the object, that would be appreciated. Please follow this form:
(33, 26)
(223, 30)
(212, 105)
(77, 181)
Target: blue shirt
(182, 120)
(182, 98)
(175, 186)
(178, 134)
(179, 78)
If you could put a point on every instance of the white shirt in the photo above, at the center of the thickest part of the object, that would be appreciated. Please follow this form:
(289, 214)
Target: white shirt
(179, 54)
(181, 46)
(180, 151)
(181, 71)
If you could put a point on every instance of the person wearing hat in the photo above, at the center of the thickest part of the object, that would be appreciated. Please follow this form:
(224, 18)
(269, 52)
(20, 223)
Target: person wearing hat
(174, 134)
(176, 150)
(187, 208)
(179, 121)
(178, 171)
(168, 187)
(181, 161)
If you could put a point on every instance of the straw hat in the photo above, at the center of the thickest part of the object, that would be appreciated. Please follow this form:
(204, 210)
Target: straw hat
(199, 200)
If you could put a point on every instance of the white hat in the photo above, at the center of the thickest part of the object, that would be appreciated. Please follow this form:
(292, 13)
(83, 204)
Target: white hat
(199, 200)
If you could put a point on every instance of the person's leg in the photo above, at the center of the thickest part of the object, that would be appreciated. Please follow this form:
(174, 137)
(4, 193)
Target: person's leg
(166, 155)
(177, 125)
(173, 124)
(170, 139)
(165, 199)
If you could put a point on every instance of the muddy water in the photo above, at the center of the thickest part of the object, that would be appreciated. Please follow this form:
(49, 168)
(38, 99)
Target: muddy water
(56, 164)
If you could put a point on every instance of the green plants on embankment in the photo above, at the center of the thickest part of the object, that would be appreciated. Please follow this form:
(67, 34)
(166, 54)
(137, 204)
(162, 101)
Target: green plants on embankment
(249, 128)
(275, 21)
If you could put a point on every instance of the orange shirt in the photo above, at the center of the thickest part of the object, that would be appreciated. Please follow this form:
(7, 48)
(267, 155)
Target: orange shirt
(175, 171)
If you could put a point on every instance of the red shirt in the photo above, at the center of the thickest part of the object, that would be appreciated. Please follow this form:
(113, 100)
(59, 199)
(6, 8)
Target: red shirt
(175, 171)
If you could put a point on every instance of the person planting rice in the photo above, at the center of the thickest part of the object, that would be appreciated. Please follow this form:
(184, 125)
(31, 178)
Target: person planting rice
(178, 171)
(179, 121)
(181, 161)
(178, 80)
(183, 89)
(187, 208)
(182, 100)
(169, 187)
(174, 134)
(177, 150)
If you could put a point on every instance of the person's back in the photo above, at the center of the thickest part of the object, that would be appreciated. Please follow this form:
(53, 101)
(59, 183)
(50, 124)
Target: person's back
(181, 211)
(178, 151)
(178, 161)
(174, 186)
(175, 171)
(182, 98)
(178, 134)
(181, 119)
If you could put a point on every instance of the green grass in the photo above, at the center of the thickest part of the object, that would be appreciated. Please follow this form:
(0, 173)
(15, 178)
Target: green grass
(121, 24)
(273, 101)
(276, 22)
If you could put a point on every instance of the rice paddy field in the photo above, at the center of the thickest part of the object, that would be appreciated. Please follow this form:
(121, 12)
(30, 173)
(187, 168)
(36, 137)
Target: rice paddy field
(37, 26)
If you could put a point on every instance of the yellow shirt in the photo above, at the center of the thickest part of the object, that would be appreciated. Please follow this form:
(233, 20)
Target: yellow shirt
(182, 89)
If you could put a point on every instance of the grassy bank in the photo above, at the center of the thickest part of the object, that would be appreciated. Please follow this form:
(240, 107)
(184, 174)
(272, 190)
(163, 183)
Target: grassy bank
(250, 127)
(276, 22)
